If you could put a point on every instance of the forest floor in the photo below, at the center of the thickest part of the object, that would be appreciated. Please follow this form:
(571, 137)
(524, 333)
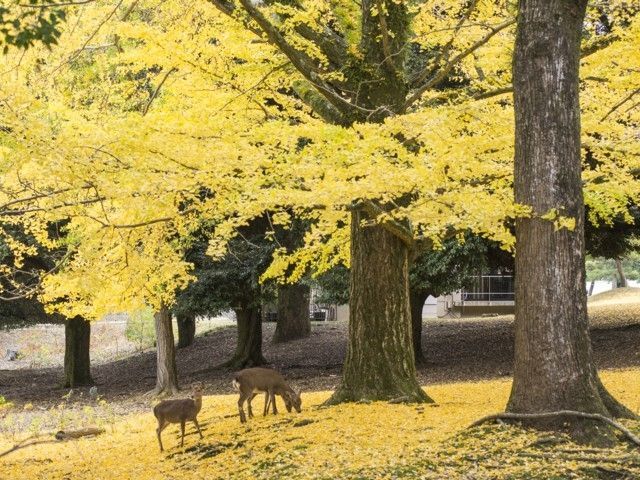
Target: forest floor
(455, 350)
(467, 372)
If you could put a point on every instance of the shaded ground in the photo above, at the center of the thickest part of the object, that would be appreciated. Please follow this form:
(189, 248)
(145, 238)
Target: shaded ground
(456, 350)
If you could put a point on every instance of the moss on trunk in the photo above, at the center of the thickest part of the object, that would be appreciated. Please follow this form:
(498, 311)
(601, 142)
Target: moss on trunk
(380, 361)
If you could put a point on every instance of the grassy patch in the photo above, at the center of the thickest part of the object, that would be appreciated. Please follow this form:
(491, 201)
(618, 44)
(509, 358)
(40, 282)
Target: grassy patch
(356, 441)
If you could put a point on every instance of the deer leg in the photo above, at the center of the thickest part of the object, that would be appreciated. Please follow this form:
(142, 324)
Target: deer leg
(241, 400)
(195, 420)
(266, 404)
(161, 426)
(273, 402)
(182, 430)
(249, 404)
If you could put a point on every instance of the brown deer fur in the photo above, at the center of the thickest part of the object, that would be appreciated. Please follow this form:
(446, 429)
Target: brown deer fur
(178, 411)
(251, 381)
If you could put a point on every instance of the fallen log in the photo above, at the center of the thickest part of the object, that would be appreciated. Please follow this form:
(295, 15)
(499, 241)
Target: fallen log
(83, 432)
(58, 437)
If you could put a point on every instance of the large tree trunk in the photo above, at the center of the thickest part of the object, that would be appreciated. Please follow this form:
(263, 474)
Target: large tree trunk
(77, 362)
(380, 361)
(554, 368)
(622, 279)
(417, 304)
(249, 347)
(186, 329)
(167, 374)
(293, 313)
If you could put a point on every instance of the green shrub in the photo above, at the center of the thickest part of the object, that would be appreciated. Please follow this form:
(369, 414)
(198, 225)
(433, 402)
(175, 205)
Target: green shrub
(141, 329)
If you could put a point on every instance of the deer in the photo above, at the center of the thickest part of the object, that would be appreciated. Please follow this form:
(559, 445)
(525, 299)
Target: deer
(178, 411)
(251, 381)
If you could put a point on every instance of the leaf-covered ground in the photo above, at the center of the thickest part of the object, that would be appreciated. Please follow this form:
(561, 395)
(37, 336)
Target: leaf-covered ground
(355, 441)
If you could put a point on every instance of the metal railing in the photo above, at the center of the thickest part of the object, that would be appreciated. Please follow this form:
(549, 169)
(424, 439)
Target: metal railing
(490, 288)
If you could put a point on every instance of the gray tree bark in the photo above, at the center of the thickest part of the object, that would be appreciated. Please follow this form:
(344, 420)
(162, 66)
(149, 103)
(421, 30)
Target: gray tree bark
(554, 369)
(417, 299)
(166, 371)
(77, 362)
(293, 313)
(186, 329)
(622, 279)
(249, 347)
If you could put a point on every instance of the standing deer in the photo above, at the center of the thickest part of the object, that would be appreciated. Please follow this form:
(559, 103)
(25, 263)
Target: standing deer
(251, 381)
(178, 411)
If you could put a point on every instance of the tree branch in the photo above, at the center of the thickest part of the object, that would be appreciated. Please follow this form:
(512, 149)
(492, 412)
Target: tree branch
(55, 5)
(254, 86)
(600, 43)
(386, 44)
(157, 90)
(332, 45)
(441, 75)
(299, 60)
(493, 93)
(329, 42)
(228, 8)
(627, 460)
(620, 103)
(318, 103)
(445, 50)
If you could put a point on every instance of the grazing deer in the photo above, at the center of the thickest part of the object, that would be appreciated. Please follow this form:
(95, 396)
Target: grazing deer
(178, 411)
(251, 381)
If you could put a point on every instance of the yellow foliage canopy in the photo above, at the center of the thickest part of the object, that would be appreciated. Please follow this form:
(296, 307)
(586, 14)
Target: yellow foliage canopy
(149, 123)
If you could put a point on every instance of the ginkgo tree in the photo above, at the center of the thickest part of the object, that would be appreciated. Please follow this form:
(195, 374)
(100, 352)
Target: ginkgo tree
(554, 372)
(124, 216)
(386, 125)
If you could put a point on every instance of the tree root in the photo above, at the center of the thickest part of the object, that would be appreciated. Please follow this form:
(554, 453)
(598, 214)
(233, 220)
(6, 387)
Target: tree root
(561, 413)
(628, 460)
(161, 392)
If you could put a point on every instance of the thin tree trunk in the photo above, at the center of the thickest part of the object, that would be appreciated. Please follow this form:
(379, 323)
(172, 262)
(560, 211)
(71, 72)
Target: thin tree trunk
(293, 313)
(77, 362)
(380, 360)
(593, 284)
(554, 369)
(622, 279)
(186, 329)
(167, 374)
(417, 304)
(249, 347)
